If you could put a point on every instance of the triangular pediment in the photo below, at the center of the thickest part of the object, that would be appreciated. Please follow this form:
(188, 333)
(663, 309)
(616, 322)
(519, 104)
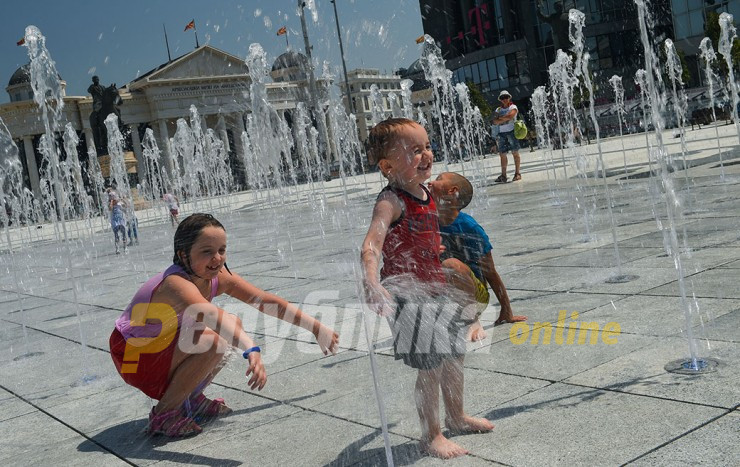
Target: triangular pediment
(203, 62)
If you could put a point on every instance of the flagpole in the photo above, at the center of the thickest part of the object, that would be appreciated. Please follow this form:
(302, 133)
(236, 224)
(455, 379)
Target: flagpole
(287, 45)
(350, 104)
(169, 57)
(196, 38)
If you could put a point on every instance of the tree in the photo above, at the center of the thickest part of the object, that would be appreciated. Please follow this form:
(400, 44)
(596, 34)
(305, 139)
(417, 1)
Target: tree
(712, 31)
(685, 73)
(477, 100)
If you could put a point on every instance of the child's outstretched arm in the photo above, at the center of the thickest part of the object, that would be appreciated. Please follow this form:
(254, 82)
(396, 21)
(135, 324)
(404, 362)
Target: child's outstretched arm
(506, 315)
(184, 297)
(386, 211)
(272, 305)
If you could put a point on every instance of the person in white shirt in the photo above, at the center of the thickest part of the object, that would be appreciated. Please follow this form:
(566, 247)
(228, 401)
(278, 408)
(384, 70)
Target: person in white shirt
(504, 117)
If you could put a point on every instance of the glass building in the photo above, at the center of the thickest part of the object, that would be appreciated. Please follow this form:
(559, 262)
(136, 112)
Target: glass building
(509, 44)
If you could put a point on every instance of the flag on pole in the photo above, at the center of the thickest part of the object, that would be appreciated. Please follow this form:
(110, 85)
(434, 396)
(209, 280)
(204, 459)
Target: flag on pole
(21, 42)
(282, 31)
(190, 25)
(420, 39)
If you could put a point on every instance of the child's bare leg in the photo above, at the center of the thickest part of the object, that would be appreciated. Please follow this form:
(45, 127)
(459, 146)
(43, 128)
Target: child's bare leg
(427, 404)
(188, 371)
(452, 382)
(460, 276)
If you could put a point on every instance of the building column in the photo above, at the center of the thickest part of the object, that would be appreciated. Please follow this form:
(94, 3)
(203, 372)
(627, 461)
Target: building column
(221, 127)
(89, 139)
(164, 146)
(136, 142)
(237, 129)
(333, 155)
(33, 170)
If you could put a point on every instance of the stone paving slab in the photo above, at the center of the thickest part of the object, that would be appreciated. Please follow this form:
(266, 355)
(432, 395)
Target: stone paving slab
(711, 284)
(567, 425)
(552, 361)
(12, 407)
(712, 444)
(665, 315)
(643, 372)
(292, 440)
(482, 389)
(589, 279)
(58, 442)
(578, 404)
(128, 440)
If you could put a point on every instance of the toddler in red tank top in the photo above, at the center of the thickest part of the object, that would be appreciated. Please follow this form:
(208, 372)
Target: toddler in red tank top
(404, 232)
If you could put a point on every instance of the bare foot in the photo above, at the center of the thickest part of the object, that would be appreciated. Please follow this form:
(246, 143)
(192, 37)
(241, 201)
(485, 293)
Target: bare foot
(510, 319)
(477, 333)
(469, 424)
(442, 447)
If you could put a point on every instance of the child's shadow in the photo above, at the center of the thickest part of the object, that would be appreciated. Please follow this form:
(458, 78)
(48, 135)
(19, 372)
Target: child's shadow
(130, 441)
(403, 454)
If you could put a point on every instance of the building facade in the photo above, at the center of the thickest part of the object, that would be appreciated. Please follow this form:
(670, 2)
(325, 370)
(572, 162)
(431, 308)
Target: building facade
(216, 82)
(688, 19)
(509, 44)
(361, 81)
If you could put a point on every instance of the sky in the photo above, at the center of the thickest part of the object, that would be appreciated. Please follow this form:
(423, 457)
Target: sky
(122, 40)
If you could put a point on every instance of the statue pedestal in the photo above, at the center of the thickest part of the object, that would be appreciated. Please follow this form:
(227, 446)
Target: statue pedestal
(129, 160)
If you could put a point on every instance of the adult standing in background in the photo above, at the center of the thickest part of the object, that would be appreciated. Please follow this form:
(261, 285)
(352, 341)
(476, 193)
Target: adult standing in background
(504, 117)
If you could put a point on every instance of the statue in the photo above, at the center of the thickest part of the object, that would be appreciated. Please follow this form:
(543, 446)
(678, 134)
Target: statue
(559, 24)
(105, 102)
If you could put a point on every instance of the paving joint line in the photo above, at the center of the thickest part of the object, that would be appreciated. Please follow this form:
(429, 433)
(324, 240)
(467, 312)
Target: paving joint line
(66, 425)
(701, 425)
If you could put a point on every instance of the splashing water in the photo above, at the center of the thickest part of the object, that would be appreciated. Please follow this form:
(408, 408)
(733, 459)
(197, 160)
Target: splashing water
(708, 55)
(673, 68)
(616, 82)
(577, 22)
(727, 37)
(657, 101)
(48, 95)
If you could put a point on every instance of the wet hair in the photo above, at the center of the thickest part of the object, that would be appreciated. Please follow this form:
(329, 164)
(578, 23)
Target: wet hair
(382, 136)
(464, 186)
(187, 234)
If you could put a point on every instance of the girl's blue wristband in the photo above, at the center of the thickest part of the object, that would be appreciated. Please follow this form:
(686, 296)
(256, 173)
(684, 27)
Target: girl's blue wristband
(248, 351)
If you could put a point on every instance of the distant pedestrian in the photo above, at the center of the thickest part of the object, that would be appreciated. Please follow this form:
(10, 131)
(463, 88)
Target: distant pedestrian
(172, 204)
(117, 218)
(505, 117)
(132, 222)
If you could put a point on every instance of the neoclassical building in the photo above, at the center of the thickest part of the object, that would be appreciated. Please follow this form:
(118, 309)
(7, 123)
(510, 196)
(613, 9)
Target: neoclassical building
(360, 81)
(216, 82)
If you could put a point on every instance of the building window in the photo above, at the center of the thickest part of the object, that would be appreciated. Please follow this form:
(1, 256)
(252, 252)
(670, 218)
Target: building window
(367, 104)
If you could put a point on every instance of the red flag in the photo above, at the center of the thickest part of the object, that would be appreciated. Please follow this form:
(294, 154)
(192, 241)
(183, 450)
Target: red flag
(190, 25)
(282, 31)
(21, 42)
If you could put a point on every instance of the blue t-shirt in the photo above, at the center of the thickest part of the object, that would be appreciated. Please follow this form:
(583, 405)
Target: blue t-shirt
(466, 240)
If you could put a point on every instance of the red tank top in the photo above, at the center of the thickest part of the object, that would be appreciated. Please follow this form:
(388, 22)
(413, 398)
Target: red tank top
(412, 243)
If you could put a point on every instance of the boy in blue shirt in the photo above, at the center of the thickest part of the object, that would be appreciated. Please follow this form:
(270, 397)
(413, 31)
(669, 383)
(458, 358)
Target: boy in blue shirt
(467, 251)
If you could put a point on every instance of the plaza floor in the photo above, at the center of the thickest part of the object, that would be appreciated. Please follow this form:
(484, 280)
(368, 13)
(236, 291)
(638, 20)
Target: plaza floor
(63, 403)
